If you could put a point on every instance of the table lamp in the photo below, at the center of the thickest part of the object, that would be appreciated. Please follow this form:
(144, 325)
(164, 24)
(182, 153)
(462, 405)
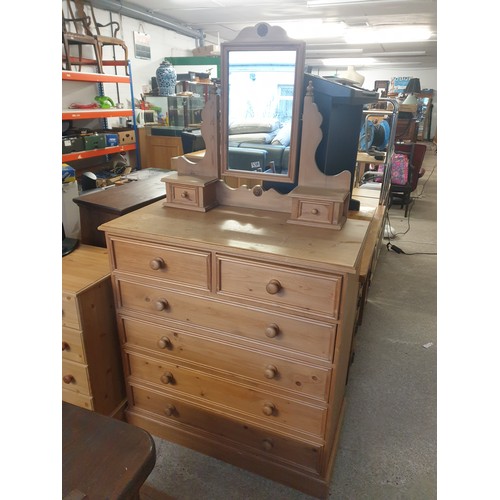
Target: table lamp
(412, 88)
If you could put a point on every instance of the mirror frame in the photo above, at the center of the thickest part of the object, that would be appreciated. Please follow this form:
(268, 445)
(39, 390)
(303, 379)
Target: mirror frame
(262, 37)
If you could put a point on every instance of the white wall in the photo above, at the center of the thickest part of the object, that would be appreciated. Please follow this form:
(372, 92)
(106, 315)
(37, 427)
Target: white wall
(167, 43)
(164, 43)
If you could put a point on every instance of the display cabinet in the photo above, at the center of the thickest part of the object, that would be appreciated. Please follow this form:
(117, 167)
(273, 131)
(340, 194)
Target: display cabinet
(178, 111)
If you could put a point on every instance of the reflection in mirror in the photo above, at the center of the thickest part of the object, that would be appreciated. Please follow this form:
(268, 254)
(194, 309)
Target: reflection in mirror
(260, 112)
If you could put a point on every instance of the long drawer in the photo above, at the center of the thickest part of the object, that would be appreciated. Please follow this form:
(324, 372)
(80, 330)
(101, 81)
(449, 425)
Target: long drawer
(298, 290)
(304, 336)
(171, 264)
(242, 434)
(266, 408)
(250, 367)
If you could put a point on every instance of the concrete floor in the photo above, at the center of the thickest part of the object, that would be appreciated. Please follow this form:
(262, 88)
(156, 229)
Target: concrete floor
(388, 440)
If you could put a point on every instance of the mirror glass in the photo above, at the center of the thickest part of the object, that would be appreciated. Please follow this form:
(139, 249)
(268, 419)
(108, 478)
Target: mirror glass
(261, 97)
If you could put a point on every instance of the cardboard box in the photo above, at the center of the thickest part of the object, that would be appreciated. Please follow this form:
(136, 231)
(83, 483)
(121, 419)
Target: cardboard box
(126, 136)
(207, 50)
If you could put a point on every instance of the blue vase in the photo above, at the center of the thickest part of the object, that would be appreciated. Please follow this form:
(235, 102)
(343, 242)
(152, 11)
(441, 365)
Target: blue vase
(166, 78)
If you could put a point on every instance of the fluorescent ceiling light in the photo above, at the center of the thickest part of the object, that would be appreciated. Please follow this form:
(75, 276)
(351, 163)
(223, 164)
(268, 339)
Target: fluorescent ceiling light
(411, 53)
(313, 28)
(384, 34)
(348, 61)
(312, 50)
(326, 3)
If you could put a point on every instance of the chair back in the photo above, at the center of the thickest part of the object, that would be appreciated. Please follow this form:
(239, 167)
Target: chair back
(78, 20)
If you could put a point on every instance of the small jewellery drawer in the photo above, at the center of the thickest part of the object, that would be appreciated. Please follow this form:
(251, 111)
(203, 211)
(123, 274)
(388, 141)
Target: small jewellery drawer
(70, 315)
(186, 267)
(72, 345)
(75, 377)
(315, 211)
(275, 330)
(187, 195)
(272, 410)
(264, 442)
(257, 366)
(191, 192)
(295, 289)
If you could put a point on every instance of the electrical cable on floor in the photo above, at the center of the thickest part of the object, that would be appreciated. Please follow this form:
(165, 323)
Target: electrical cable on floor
(396, 249)
(423, 186)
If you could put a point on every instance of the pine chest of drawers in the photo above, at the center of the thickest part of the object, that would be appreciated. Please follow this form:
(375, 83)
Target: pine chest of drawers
(92, 373)
(236, 330)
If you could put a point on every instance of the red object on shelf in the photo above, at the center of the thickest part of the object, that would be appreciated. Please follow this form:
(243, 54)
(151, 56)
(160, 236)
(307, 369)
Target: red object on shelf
(92, 105)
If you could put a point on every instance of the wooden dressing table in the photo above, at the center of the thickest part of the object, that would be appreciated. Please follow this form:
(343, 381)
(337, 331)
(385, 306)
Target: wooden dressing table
(236, 308)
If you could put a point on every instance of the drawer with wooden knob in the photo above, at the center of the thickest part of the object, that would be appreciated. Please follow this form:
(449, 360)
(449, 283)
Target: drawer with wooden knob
(268, 443)
(230, 359)
(272, 329)
(187, 195)
(75, 377)
(191, 192)
(72, 345)
(262, 373)
(297, 290)
(175, 265)
(267, 409)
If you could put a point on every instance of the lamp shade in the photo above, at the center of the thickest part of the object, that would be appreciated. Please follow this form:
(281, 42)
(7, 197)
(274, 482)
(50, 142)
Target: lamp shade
(413, 86)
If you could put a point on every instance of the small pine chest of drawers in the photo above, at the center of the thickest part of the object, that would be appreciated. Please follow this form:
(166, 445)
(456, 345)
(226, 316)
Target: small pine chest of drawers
(236, 331)
(92, 373)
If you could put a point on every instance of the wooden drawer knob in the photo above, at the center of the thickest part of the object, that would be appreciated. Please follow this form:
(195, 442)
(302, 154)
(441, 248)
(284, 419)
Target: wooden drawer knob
(68, 379)
(271, 371)
(315, 211)
(184, 194)
(274, 286)
(157, 263)
(267, 445)
(164, 342)
(272, 330)
(169, 410)
(268, 409)
(161, 304)
(65, 346)
(167, 378)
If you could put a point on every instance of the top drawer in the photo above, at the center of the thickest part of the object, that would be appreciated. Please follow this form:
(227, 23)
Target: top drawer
(70, 316)
(298, 290)
(182, 266)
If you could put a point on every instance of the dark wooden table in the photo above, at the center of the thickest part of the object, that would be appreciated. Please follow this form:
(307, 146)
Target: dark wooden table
(102, 457)
(104, 205)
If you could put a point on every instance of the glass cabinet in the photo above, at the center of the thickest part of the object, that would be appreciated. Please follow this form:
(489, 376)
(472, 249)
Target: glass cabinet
(178, 111)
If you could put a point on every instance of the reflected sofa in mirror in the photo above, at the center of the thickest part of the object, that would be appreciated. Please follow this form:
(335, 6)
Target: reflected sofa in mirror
(261, 102)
